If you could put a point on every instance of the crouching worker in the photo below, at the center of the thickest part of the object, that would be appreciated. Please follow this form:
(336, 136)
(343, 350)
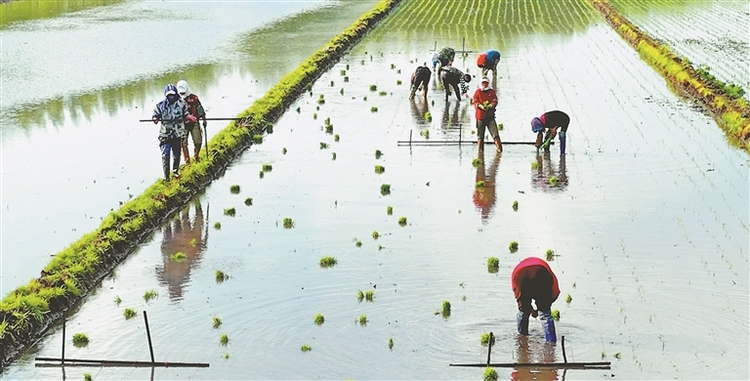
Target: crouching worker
(488, 61)
(420, 80)
(172, 112)
(532, 279)
(550, 122)
(451, 77)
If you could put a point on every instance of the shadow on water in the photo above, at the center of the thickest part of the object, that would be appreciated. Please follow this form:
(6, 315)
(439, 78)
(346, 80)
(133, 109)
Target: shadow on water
(187, 233)
(548, 177)
(484, 196)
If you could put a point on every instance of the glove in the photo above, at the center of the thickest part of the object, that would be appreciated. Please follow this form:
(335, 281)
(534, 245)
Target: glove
(155, 120)
(204, 123)
(191, 119)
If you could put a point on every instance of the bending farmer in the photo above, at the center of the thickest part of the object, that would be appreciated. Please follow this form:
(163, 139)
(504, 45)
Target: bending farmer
(172, 112)
(195, 108)
(485, 102)
(420, 79)
(532, 279)
(550, 121)
(488, 61)
(452, 77)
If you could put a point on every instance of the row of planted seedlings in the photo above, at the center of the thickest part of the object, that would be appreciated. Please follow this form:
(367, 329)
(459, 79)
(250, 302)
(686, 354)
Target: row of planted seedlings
(28, 311)
(724, 101)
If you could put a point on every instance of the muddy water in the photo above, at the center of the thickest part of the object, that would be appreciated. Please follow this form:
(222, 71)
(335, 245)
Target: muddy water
(648, 221)
(75, 124)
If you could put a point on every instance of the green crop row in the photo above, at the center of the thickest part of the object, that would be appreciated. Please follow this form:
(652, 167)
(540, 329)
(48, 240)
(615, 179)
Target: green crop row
(29, 310)
(730, 112)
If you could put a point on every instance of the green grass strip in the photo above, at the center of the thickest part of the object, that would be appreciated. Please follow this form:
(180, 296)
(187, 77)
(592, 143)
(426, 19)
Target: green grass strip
(730, 111)
(27, 312)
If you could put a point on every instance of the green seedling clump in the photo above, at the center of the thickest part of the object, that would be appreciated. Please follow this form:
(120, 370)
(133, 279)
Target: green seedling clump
(476, 162)
(319, 319)
(80, 340)
(288, 223)
(87, 377)
(129, 313)
(234, 189)
(493, 264)
(283, 151)
(261, 174)
(249, 201)
(398, 81)
(226, 355)
(553, 180)
(382, 93)
(149, 295)
(369, 295)
(550, 255)
(221, 276)
(333, 155)
(390, 343)
(446, 308)
(428, 116)
(267, 167)
(479, 185)
(617, 355)
(515, 206)
(118, 300)
(385, 189)
(217, 322)
(402, 221)
(378, 154)
(217, 225)
(324, 145)
(373, 109)
(379, 169)
(178, 257)
(534, 165)
(229, 212)
(193, 242)
(373, 88)
(357, 242)
(326, 262)
(425, 133)
(321, 100)
(306, 348)
(315, 115)
(556, 315)
(485, 339)
(224, 339)
(604, 354)
(363, 320)
(375, 234)
(513, 246)
(490, 374)
(258, 138)
(346, 79)
(336, 138)
(389, 210)
(568, 299)
(360, 295)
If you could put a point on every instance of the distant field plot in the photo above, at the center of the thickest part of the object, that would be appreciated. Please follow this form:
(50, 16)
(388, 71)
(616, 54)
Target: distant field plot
(711, 33)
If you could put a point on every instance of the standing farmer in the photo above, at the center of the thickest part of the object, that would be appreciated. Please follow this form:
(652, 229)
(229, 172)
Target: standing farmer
(452, 77)
(550, 121)
(485, 102)
(172, 112)
(533, 279)
(420, 79)
(193, 130)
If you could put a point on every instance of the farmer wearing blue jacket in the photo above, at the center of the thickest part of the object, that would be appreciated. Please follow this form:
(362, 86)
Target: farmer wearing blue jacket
(172, 112)
(488, 61)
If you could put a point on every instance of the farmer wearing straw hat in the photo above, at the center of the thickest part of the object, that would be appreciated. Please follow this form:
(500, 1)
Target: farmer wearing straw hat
(533, 279)
(550, 121)
(485, 102)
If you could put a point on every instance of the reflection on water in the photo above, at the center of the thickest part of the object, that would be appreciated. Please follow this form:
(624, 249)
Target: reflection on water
(187, 234)
(25, 10)
(528, 349)
(485, 197)
(547, 176)
(419, 109)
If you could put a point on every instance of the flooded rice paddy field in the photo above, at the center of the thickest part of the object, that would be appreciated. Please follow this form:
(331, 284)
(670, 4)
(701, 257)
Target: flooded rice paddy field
(648, 222)
(713, 34)
(80, 131)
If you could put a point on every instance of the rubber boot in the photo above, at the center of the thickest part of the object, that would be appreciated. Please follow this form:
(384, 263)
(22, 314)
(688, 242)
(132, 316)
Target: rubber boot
(548, 325)
(165, 167)
(196, 153)
(498, 144)
(186, 154)
(522, 323)
(176, 164)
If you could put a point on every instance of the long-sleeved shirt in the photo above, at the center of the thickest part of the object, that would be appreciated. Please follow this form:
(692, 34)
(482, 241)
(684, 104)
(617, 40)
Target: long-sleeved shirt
(482, 96)
(172, 116)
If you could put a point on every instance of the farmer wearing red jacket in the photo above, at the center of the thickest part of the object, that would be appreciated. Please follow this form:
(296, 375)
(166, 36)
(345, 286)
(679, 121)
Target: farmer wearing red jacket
(485, 102)
(533, 279)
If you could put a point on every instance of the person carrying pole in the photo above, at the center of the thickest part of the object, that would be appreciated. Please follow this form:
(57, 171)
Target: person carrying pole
(195, 108)
(488, 61)
(420, 80)
(173, 114)
(485, 103)
(550, 121)
(533, 279)
(451, 77)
